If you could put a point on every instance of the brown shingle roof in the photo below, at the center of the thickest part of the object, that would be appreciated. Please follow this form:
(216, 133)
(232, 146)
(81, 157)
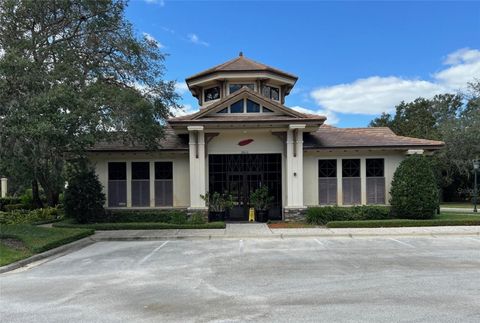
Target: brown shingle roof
(171, 141)
(241, 64)
(375, 137)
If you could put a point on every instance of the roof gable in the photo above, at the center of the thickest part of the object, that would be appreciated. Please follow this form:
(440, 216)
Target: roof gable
(241, 64)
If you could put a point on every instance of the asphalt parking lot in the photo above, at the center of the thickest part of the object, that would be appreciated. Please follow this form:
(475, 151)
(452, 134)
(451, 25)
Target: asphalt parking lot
(279, 280)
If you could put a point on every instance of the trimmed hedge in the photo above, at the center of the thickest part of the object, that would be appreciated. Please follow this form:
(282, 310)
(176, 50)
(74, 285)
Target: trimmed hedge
(401, 223)
(124, 216)
(323, 215)
(140, 226)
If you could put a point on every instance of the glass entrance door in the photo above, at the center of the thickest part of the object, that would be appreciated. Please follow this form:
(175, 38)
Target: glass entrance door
(241, 174)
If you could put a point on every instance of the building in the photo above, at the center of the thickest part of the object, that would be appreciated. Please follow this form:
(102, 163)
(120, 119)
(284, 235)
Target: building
(244, 136)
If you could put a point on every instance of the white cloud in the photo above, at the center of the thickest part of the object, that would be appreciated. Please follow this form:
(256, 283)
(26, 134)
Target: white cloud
(376, 94)
(331, 116)
(161, 3)
(193, 38)
(152, 39)
(187, 109)
(181, 88)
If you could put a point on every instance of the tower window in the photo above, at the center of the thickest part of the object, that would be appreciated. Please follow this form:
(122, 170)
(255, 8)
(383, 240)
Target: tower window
(212, 93)
(235, 87)
(271, 92)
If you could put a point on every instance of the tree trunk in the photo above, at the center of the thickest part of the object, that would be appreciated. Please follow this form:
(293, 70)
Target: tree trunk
(36, 200)
(52, 198)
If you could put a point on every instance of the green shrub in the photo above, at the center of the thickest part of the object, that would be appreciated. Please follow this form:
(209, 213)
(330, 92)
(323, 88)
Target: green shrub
(124, 216)
(178, 218)
(4, 201)
(36, 216)
(84, 198)
(197, 218)
(323, 215)
(414, 192)
(13, 207)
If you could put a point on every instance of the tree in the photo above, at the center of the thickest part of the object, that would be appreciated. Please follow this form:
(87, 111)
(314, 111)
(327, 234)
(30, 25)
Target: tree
(452, 118)
(73, 72)
(414, 192)
(84, 198)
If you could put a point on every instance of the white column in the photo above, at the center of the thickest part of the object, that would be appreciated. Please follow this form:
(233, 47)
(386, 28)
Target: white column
(363, 181)
(294, 167)
(4, 186)
(152, 184)
(129, 184)
(197, 166)
(339, 182)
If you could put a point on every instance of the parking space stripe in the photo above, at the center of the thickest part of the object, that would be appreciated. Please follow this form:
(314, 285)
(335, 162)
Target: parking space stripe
(403, 243)
(319, 242)
(151, 253)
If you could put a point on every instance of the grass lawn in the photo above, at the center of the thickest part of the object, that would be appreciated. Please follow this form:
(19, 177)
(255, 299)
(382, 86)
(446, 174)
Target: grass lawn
(19, 241)
(139, 225)
(464, 205)
(443, 219)
(289, 225)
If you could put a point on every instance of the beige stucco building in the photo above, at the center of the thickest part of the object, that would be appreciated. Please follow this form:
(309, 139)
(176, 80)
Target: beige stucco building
(244, 137)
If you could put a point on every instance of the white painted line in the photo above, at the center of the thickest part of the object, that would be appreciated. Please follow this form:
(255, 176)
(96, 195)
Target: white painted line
(240, 246)
(319, 242)
(403, 243)
(151, 253)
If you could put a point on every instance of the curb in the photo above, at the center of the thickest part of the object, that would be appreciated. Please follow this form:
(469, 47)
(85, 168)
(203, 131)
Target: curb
(286, 235)
(52, 253)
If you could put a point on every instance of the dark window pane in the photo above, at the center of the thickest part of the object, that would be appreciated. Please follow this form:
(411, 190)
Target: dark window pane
(117, 171)
(327, 168)
(235, 87)
(212, 93)
(163, 170)
(375, 167)
(351, 167)
(252, 106)
(237, 107)
(163, 192)
(224, 110)
(140, 170)
(275, 94)
(265, 109)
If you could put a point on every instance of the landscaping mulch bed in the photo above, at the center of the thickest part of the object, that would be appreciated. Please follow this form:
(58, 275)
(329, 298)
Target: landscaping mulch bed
(290, 225)
(13, 243)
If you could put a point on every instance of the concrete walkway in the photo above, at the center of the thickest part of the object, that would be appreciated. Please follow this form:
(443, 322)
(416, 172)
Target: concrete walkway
(458, 210)
(261, 230)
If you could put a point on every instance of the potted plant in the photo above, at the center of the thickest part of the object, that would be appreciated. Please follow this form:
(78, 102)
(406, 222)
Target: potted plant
(261, 201)
(217, 204)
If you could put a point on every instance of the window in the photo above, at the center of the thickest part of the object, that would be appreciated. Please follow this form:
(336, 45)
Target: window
(264, 109)
(271, 92)
(163, 184)
(117, 184)
(351, 181)
(212, 93)
(140, 184)
(252, 107)
(224, 110)
(327, 181)
(235, 87)
(375, 169)
(237, 107)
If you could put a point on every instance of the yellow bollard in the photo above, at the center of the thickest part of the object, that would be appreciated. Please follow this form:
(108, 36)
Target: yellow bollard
(251, 215)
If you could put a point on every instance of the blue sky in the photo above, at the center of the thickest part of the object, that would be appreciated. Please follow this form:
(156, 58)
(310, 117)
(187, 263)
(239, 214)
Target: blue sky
(354, 59)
